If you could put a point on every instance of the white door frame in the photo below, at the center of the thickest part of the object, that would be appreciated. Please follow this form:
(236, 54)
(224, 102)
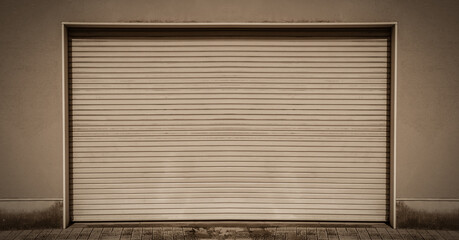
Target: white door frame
(369, 25)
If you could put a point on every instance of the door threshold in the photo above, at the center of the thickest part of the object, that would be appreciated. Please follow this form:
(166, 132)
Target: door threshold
(255, 224)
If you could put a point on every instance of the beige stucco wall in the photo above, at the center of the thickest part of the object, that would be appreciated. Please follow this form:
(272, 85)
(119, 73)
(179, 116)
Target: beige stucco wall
(30, 79)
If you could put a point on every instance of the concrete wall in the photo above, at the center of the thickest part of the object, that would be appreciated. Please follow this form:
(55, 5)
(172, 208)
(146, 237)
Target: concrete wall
(428, 84)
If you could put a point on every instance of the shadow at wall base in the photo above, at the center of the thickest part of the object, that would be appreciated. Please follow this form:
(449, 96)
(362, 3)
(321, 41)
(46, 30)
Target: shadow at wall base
(428, 215)
(30, 215)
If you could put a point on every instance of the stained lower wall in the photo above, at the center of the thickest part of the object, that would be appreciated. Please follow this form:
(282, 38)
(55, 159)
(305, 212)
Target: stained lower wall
(29, 214)
(429, 214)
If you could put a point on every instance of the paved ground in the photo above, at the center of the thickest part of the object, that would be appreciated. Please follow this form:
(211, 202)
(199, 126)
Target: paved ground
(206, 232)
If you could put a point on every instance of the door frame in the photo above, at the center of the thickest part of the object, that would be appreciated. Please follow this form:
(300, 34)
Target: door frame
(361, 25)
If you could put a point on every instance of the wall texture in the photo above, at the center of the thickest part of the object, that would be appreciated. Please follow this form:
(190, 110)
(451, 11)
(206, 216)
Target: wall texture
(428, 84)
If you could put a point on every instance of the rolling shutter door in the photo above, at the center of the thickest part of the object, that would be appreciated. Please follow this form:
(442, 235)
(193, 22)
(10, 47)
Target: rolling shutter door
(182, 126)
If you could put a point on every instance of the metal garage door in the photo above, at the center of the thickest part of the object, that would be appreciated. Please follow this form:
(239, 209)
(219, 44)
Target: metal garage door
(285, 124)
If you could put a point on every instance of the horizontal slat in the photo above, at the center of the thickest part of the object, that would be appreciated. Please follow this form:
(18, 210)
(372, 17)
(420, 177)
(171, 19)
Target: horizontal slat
(226, 149)
(230, 185)
(230, 174)
(259, 83)
(232, 159)
(234, 64)
(252, 43)
(322, 74)
(225, 177)
(237, 167)
(238, 70)
(229, 148)
(247, 179)
(204, 191)
(257, 195)
(313, 202)
(229, 210)
(305, 47)
(253, 80)
(278, 139)
(222, 92)
(249, 169)
(239, 59)
(228, 112)
(217, 163)
(253, 123)
(215, 116)
(300, 98)
(229, 153)
(227, 133)
(224, 85)
(260, 117)
(236, 53)
(229, 206)
(273, 107)
(229, 101)
(286, 123)
(228, 42)
(227, 125)
(228, 216)
(234, 130)
(229, 143)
